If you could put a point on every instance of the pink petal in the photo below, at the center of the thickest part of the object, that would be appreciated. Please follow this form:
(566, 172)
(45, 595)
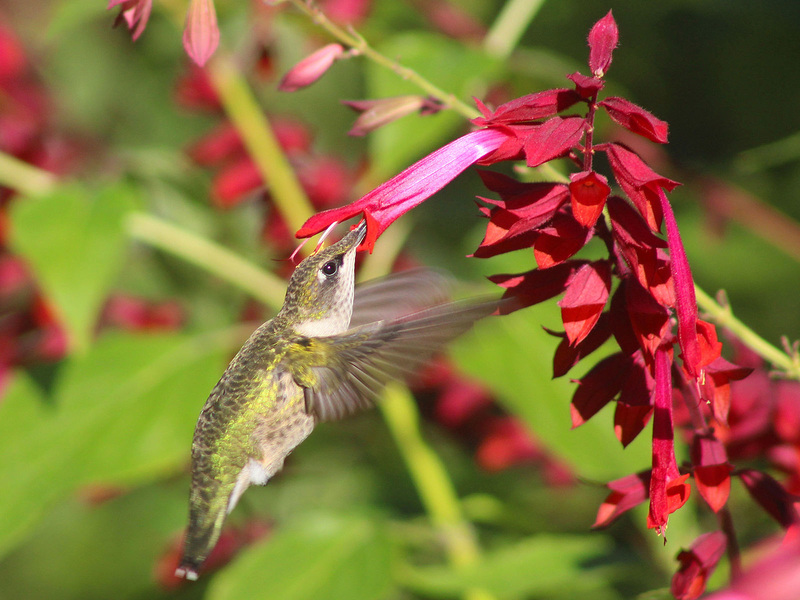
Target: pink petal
(201, 34)
(413, 186)
(311, 68)
(603, 38)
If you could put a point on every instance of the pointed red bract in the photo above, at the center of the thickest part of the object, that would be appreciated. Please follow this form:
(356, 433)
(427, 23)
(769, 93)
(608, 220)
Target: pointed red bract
(406, 190)
(561, 239)
(771, 496)
(585, 300)
(715, 386)
(626, 493)
(515, 220)
(641, 249)
(630, 420)
(639, 181)
(311, 68)
(598, 387)
(697, 565)
(588, 192)
(201, 34)
(535, 286)
(552, 139)
(711, 470)
(649, 320)
(635, 119)
(586, 87)
(568, 355)
(603, 38)
(529, 108)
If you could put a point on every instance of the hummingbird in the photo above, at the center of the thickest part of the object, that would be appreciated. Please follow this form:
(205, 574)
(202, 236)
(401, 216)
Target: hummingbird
(326, 354)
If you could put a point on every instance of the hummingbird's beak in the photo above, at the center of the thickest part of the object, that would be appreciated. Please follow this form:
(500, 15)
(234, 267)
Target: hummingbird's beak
(361, 231)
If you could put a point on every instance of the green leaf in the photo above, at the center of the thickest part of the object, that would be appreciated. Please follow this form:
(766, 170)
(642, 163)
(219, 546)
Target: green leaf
(319, 558)
(513, 355)
(121, 542)
(455, 68)
(545, 566)
(74, 242)
(123, 413)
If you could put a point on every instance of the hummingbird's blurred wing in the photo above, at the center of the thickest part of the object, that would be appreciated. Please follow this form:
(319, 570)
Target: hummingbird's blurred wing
(358, 363)
(399, 294)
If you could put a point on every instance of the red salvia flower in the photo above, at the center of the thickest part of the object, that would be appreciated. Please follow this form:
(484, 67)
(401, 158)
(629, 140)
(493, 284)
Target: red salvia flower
(588, 193)
(668, 490)
(697, 565)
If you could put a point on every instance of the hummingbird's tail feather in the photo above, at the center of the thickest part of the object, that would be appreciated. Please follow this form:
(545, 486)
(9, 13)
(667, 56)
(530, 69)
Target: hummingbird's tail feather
(205, 526)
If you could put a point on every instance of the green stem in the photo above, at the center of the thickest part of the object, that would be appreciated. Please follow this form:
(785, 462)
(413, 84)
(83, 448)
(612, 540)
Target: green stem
(26, 179)
(723, 316)
(432, 482)
(207, 255)
(261, 143)
(509, 26)
(359, 44)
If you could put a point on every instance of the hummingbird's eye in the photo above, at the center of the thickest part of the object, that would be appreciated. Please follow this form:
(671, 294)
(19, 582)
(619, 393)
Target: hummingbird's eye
(330, 268)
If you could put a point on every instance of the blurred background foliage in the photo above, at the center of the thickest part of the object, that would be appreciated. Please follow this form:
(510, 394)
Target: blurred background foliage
(111, 345)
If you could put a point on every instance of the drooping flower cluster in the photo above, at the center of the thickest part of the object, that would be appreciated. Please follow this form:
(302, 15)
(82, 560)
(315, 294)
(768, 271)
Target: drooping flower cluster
(641, 294)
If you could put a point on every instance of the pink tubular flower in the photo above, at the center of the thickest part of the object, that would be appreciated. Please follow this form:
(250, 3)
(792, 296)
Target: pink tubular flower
(685, 301)
(135, 13)
(201, 34)
(417, 183)
(311, 68)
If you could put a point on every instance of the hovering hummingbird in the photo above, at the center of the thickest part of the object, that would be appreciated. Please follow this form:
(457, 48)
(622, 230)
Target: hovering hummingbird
(311, 363)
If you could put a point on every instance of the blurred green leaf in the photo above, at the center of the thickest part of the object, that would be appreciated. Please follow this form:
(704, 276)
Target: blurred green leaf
(122, 413)
(119, 543)
(74, 242)
(454, 67)
(318, 558)
(545, 566)
(513, 355)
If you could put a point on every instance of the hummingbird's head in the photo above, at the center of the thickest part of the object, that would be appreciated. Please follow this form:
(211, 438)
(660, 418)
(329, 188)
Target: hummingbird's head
(319, 298)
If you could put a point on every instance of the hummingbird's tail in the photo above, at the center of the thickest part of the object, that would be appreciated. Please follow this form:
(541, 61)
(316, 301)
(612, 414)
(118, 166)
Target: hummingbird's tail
(201, 537)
